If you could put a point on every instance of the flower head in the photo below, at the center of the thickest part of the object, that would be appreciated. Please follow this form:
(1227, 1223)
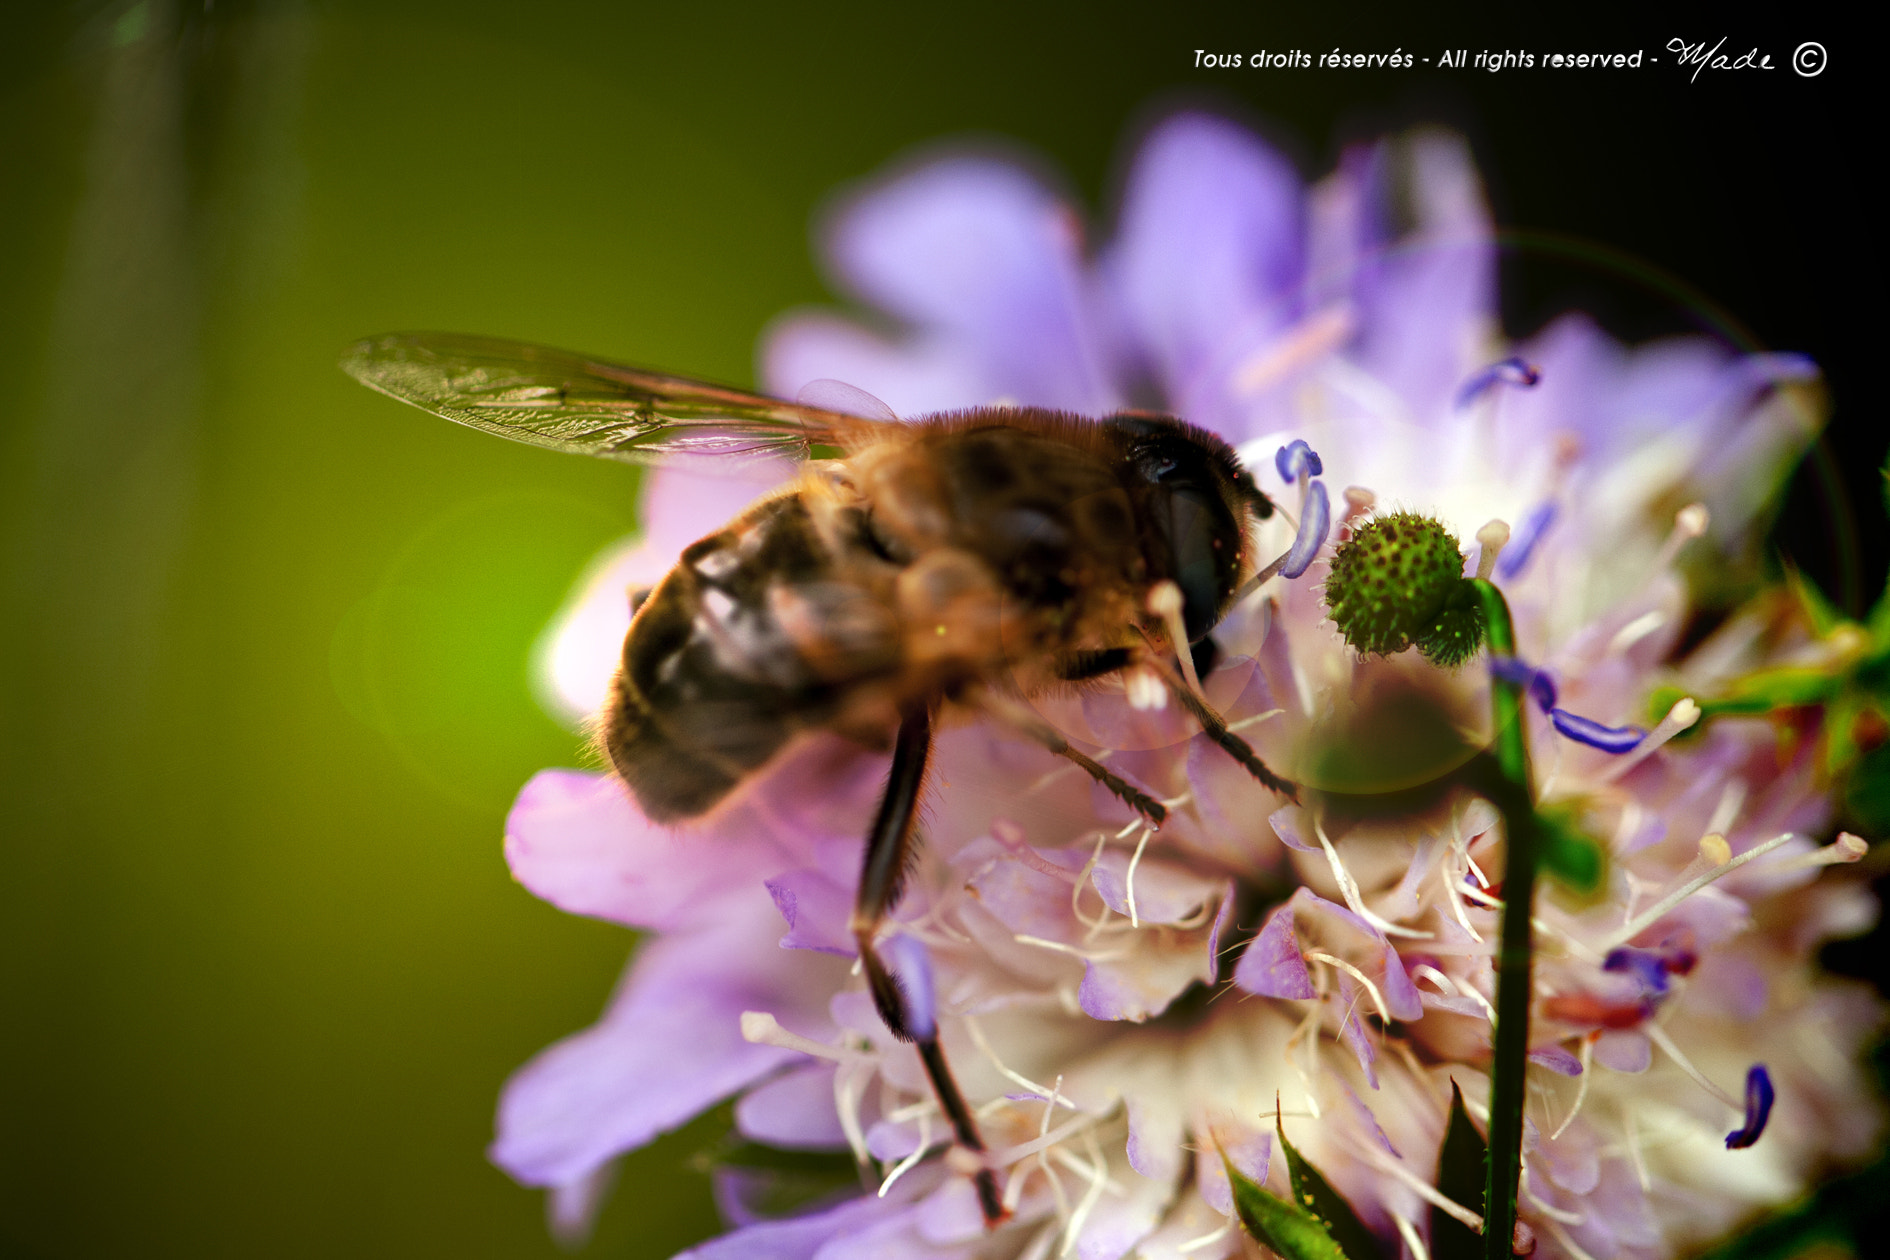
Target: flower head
(1125, 1009)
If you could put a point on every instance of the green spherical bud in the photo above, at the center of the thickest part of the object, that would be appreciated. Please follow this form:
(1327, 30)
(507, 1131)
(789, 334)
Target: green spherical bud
(1398, 581)
(1456, 633)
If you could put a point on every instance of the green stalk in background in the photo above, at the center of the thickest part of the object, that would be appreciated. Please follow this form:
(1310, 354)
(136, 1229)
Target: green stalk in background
(1504, 778)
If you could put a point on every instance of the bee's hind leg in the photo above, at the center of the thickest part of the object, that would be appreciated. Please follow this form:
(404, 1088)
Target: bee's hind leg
(889, 850)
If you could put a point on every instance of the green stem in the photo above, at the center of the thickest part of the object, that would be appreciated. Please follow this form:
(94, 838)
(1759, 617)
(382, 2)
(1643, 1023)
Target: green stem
(1506, 783)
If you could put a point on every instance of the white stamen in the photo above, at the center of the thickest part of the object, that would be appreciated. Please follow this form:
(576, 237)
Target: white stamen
(1354, 900)
(1491, 539)
(1659, 1037)
(918, 1153)
(1423, 1189)
(1581, 1090)
(1260, 578)
(1688, 523)
(1011, 837)
(1482, 898)
(762, 1029)
(1573, 945)
(1636, 630)
(912, 1111)
(1164, 600)
(1636, 1155)
(1453, 890)
(1358, 501)
(1052, 1096)
(1731, 798)
(1561, 1235)
(1098, 1179)
(1128, 880)
(1476, 995)
(1628, 826)
(1255, 720)
(1683, 714)
(1409, 1233)
(1846, 848)
(1041, 1241)
(1087, 955)
(1301, 1036)
(1024, 1150)
(1306, 342)
(1205, 1240)
(1082, 882)
(847, 1079)
(1652, 915)
(1378, 999)
(1555, 1213)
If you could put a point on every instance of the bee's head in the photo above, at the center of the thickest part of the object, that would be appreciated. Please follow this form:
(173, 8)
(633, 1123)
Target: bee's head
(1195, 500)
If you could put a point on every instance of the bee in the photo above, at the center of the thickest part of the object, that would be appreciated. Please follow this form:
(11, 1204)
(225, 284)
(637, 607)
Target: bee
(967, 561)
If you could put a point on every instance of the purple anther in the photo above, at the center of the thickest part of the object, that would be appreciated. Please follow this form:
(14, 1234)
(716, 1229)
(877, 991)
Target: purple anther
(912, 964)
(1522, 543)
(1513, 669)
(1645, 965)
(1759, 1096)
(1512, 371)
(1610, 739)
(1779, 368)
(1314, 522)
(1297, 460)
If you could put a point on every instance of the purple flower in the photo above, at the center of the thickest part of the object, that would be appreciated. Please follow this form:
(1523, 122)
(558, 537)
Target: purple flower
(1123, 1008)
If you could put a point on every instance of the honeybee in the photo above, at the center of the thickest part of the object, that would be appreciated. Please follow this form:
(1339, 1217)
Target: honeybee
(965, 561)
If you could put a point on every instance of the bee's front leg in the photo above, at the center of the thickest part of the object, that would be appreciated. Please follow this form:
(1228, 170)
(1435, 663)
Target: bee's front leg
(1216, 727)
(890, 846)
(1022, 720)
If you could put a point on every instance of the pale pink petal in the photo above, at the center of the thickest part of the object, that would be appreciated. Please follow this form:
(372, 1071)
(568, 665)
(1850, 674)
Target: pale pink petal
(977, 250)
(795, 1109)
(1208, 261)
(579, 842)
(817, 910)
(915, 375)
(1140, 984)
(621, 1082)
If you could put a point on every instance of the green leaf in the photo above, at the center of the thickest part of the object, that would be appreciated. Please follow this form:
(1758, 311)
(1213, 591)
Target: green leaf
(1867, 796)
(1460, 1178)
(1568, 854)
(1824, 615)
(1293, 1232)
(1314, 1193)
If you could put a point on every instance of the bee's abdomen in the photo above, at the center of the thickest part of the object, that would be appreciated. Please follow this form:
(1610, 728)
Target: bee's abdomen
(716, 674)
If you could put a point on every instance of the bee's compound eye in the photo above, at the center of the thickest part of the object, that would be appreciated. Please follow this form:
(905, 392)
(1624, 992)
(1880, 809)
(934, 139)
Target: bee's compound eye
(1194, 536)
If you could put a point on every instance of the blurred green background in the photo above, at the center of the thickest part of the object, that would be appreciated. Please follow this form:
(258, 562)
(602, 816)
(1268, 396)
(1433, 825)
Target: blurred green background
(267, 634)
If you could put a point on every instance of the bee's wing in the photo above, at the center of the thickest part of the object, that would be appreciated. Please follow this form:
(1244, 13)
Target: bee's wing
(571, 402)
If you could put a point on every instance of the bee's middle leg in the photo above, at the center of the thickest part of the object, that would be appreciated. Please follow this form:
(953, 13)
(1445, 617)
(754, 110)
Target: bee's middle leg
(889, 850)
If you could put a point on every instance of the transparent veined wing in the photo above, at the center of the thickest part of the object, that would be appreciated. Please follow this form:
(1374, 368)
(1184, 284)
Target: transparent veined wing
(573, 402)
